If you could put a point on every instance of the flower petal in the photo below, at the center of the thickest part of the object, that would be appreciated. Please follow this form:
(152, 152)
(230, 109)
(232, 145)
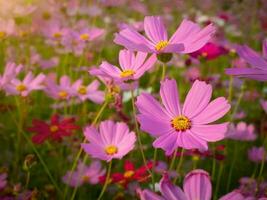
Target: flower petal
(155, 29)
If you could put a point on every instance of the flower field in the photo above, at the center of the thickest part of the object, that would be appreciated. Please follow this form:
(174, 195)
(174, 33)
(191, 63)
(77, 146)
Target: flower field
(129, 99)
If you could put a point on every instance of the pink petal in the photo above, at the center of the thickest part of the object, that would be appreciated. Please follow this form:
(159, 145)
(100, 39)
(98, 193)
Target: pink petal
(148, 105)
(234, 195)
(170, 191)
(251, 57)
(126, 59)
(264, 48)
(188, 140)
(149, 195)
(214, 111)
(167, 142)
(197, 185)
(170, 97)
(210, 133)
(197, 99)
(155, 29)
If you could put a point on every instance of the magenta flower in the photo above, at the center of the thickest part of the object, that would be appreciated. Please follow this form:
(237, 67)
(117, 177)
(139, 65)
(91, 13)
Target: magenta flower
(84, 174)
(197, 185)
(29, 83)
(234, 195)
(242, 132)
(11, 71)
(258, 71)
(88, 92)
(257, 154)
(113, 141)
(189, 37)
(187, 127)
(132, 66)
(63, 91)
(210, 51)
(264, 105)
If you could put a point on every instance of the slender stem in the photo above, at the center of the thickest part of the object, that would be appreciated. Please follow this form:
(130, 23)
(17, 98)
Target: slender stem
(238, 102)
(179, 165)
(263, 159)
(230, 89)
(163, 71)
(173, 159)
(213, 165)
(43, 163)
(106, 181)
(138, 134)
(153, 168)
(80, 152)
(218, 181)
(232, 168)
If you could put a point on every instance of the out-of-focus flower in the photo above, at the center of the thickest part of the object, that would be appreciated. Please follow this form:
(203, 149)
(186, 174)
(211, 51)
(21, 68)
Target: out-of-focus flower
(88, 92)
(251, 188)
(242, 132)
(63, 91)
(187, 127)
(258, 71)
(7, 28)
(264, 105)
(197, 185)
(192, 73)
(113, 141)
(23, 88)
(257, 154)
(11, 71)
(3, 180)
(84, 174)
(55, 130)
(209, 51)
(189, 37)
(91, 34)
(234, 195)
(133, 66)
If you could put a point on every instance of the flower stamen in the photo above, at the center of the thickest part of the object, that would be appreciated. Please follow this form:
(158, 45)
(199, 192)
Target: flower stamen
(127, 73)
(181, 123)
(111, 150)
(161, 45)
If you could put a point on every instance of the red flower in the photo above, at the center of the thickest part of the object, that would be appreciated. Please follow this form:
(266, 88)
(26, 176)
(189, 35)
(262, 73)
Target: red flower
(55, 130)
(129, 174)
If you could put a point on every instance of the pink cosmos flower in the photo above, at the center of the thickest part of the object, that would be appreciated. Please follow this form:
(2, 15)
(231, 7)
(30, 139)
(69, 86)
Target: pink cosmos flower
(258, 71)
(264, 105)
(11, 71)
(132, 66)
(29, 83)
(88, 92)
(113, 141)
(188, 126)
(189, 37)
(197, 185)
(63, 91)
(242, 132)
(84, 174)
(257, 154)
(91, 34)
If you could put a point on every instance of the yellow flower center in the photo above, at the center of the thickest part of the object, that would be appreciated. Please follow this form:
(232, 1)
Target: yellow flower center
(85, 178)
(63, 94)
(195, 158)
(111, 150)
(54, 128)
(128, 174)
(82, 90)
(84, 36)
(2, 34)
(181, 123)
(161, 45)
(126, 73)
(46, 15)
(57, 35)
(21, 87)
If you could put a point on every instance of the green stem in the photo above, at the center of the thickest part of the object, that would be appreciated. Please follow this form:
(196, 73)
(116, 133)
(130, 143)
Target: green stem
(179, 165)
(80, 152)
(218, 181)
(263, 159)
(43, 163)
(173, 159)
(138, 134)
(230, 89)
(163, 71)
(231, 168)
(153, 168)
(106, 181)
